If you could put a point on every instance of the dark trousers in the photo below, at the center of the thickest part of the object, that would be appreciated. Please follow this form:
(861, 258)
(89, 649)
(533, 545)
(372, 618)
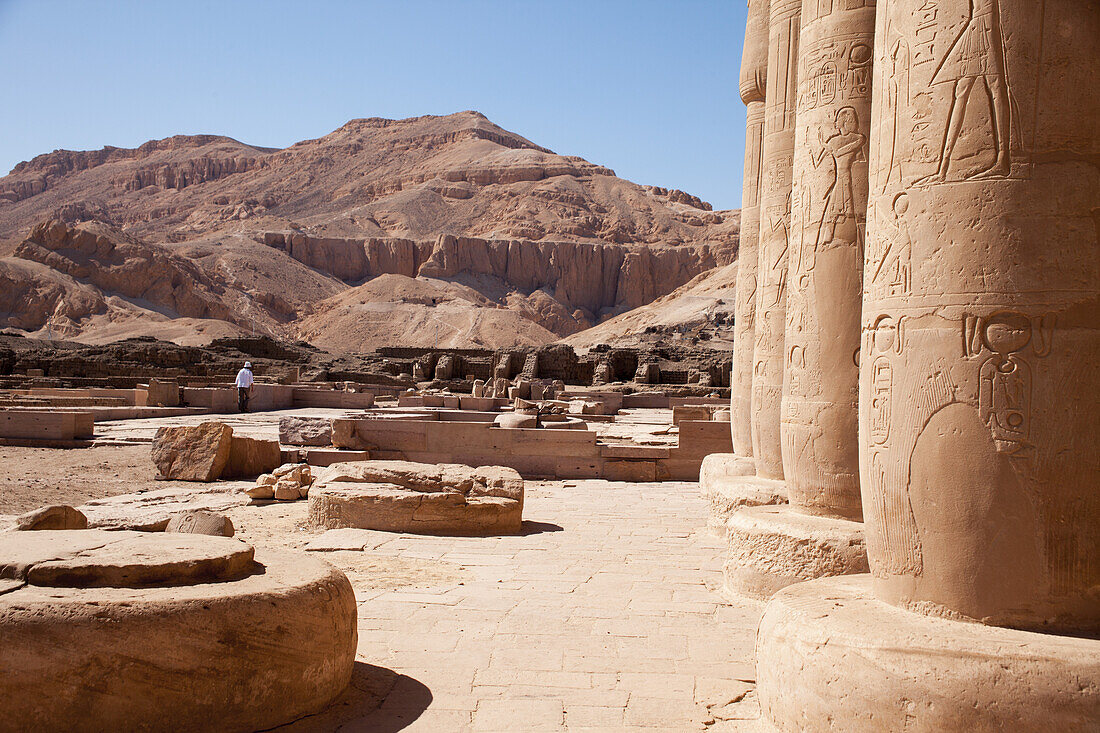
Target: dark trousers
(242, 399)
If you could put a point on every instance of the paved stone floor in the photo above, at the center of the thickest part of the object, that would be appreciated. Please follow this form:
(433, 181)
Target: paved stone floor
(604, 617)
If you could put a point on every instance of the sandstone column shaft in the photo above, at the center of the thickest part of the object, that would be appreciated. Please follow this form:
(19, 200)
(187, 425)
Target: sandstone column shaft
(825, 272)
(775, 219)
(754, 69)
(979, 373)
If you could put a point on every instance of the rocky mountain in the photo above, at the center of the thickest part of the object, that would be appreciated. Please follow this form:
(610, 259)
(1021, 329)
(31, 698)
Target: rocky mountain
(422, 231)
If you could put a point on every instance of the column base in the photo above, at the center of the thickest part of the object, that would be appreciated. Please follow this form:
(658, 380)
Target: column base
(830, 657)
(771, 547)
(729, 482)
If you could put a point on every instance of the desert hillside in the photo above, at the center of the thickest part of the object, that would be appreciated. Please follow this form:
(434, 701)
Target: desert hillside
(419, 231)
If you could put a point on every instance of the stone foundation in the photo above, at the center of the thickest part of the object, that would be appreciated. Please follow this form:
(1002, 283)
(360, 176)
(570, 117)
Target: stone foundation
(771, 547)
(832, 658)
(728, 482)
(129, 630)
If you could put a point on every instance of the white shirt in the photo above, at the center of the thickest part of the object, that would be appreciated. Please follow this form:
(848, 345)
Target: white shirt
(244, 378)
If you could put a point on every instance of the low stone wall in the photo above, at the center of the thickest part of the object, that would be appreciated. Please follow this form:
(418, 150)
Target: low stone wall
(532, 452)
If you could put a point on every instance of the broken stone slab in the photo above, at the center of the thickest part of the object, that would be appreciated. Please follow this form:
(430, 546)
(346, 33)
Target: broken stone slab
(57, 516)
(151, 511)
(400, 496)
(311, 431)
(192, 453)
(201, 521)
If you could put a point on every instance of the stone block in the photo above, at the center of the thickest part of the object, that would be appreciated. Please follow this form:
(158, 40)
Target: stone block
(298, 430)
(192, 453)
(402, 496)
(250, 457)
(57, 516)
(201, 522)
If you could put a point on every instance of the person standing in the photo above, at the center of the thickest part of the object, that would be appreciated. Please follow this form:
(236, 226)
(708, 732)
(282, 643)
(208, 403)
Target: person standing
(244, 386)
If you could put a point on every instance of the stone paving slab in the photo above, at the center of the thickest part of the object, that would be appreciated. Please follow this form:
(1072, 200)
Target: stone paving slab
(604, 617)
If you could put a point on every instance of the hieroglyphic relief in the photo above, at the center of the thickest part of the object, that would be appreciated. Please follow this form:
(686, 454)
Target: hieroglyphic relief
(887, 485)
(816, 9)
(890, 263)
(1005, 376)
(782, 65)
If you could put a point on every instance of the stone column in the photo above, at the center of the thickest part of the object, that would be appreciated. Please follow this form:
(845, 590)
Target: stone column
(721, 474)
(754, 68)
(979, 374)
(979, 391)
(775, 220)
(825, 273)
(771, 547)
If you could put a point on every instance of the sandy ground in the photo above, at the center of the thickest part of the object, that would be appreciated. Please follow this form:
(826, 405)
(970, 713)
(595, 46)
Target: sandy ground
(34, 477)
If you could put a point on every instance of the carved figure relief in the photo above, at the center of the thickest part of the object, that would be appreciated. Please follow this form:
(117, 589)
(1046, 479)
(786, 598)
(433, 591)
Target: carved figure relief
(977, 56)
(896, 103)
(840, 210)
(773, 259)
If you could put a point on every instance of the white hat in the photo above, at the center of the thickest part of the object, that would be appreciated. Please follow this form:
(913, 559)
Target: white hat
(248, 365)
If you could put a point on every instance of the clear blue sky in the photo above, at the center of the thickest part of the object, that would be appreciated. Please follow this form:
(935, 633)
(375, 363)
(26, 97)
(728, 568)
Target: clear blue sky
(647, 87)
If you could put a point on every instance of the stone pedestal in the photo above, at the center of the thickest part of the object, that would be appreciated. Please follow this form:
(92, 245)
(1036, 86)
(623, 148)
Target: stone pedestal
(138, 631)
(771, 547)
(728, 482)
(831, 657)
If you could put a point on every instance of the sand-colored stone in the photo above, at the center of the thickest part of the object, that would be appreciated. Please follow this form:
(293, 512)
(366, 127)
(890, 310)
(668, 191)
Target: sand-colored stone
(192, 453)
(754, 69)
(265, 644)
(828, 231)
(831, 657)
(980, 392)
(56, 516)
(250, 457)
(201, 522)
(775, 220)
(297, 430)
(400, 496)
(722, 481)
(771, 547)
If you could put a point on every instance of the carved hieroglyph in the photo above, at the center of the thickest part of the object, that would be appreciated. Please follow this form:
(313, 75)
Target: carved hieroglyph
(980, 387)
(825, 266)
(754, 68)
(775, 221)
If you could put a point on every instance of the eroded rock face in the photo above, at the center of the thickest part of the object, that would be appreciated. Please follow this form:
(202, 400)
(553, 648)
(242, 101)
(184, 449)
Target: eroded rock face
(980, 394)
(193, 453)
(832, 142)
(400, 496)
(305, 431)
